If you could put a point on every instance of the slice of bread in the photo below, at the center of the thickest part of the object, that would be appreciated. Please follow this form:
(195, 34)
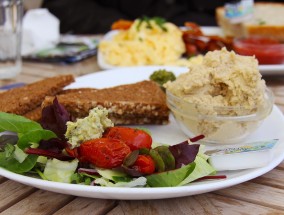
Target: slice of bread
(139, 103)
(77, 90)
(267, 21)
(28, 98)
(34, 114)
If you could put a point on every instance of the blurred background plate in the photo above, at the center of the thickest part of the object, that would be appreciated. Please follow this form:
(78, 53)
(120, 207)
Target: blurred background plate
(264, 69)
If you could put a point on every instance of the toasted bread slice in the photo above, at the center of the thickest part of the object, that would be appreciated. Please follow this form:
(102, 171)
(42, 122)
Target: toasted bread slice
(139, 103)
(34, 114)
(78, 90)
(27, 98)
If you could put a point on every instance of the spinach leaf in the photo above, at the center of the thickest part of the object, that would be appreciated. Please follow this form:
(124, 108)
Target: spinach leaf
(11, 164)
(18, 124)
(34, 136)
(170, 178)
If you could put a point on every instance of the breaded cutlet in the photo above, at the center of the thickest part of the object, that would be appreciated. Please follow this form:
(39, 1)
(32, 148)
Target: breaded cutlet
(139, 103)
(27, 98)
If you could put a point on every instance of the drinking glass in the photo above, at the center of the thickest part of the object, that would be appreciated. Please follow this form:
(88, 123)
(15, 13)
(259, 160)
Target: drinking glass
(11, 12)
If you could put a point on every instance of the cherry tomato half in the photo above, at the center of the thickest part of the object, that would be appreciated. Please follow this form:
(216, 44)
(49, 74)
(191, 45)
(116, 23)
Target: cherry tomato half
(104, 152)
(121, 24)
(72, 152)
(134, 138)
(144, 164)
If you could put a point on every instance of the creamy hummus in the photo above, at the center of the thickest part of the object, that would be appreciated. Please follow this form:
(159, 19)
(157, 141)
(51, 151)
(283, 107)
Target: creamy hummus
(90, 127)
(224, 79)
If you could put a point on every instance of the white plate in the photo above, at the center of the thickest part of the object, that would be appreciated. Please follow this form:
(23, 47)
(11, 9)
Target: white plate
(273, 127)
(277, 69)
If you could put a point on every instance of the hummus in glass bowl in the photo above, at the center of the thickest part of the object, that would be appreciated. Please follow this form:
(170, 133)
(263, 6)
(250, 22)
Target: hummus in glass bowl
(224, 98)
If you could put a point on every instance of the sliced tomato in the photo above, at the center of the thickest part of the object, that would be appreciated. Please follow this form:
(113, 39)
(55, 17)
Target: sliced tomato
(134, 138)
(104, 152)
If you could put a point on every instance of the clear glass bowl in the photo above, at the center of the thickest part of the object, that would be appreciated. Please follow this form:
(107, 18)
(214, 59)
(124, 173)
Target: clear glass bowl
(220, 125)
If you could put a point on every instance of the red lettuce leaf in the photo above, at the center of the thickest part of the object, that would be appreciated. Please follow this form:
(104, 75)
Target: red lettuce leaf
(54, 118)
(129, 171)
(184, 153)
(88, 171)
(212, 177)
(54, 145)
(47, 153)
(197, 138)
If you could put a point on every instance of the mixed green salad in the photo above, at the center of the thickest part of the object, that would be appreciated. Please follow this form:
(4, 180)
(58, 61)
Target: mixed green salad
(59, 149)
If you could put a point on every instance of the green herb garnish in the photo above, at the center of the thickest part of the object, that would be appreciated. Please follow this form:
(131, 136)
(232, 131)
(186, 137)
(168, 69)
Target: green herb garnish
(158, 20)
(261, 22)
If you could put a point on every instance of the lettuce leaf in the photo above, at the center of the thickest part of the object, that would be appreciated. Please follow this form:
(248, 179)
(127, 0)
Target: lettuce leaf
(136, 182)
(184, 153)
(11, 164)
(202, 168)
(113, 175)
(28, 133)
(35, 136)
(54, 118)
(60, 171)
(18, 124)
(170, 178)
(19, 154)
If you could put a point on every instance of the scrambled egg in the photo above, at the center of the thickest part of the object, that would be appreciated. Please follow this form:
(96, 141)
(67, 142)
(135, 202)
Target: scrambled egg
(141, 45)
(90, 127)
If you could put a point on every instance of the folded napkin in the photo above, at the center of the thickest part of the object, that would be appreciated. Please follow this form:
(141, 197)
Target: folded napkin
(40, 31)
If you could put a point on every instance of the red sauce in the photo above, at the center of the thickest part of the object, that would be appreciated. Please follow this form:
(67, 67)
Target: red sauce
(267, 51)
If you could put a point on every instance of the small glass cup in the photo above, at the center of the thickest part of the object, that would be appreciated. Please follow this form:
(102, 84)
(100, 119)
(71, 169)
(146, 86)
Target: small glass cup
(221, 125)
(11, 12)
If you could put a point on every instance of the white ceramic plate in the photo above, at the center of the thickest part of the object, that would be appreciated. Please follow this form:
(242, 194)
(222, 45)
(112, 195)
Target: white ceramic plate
(273, 127)
(277, 69)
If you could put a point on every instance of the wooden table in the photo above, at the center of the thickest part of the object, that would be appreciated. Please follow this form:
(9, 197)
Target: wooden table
(263, 195)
